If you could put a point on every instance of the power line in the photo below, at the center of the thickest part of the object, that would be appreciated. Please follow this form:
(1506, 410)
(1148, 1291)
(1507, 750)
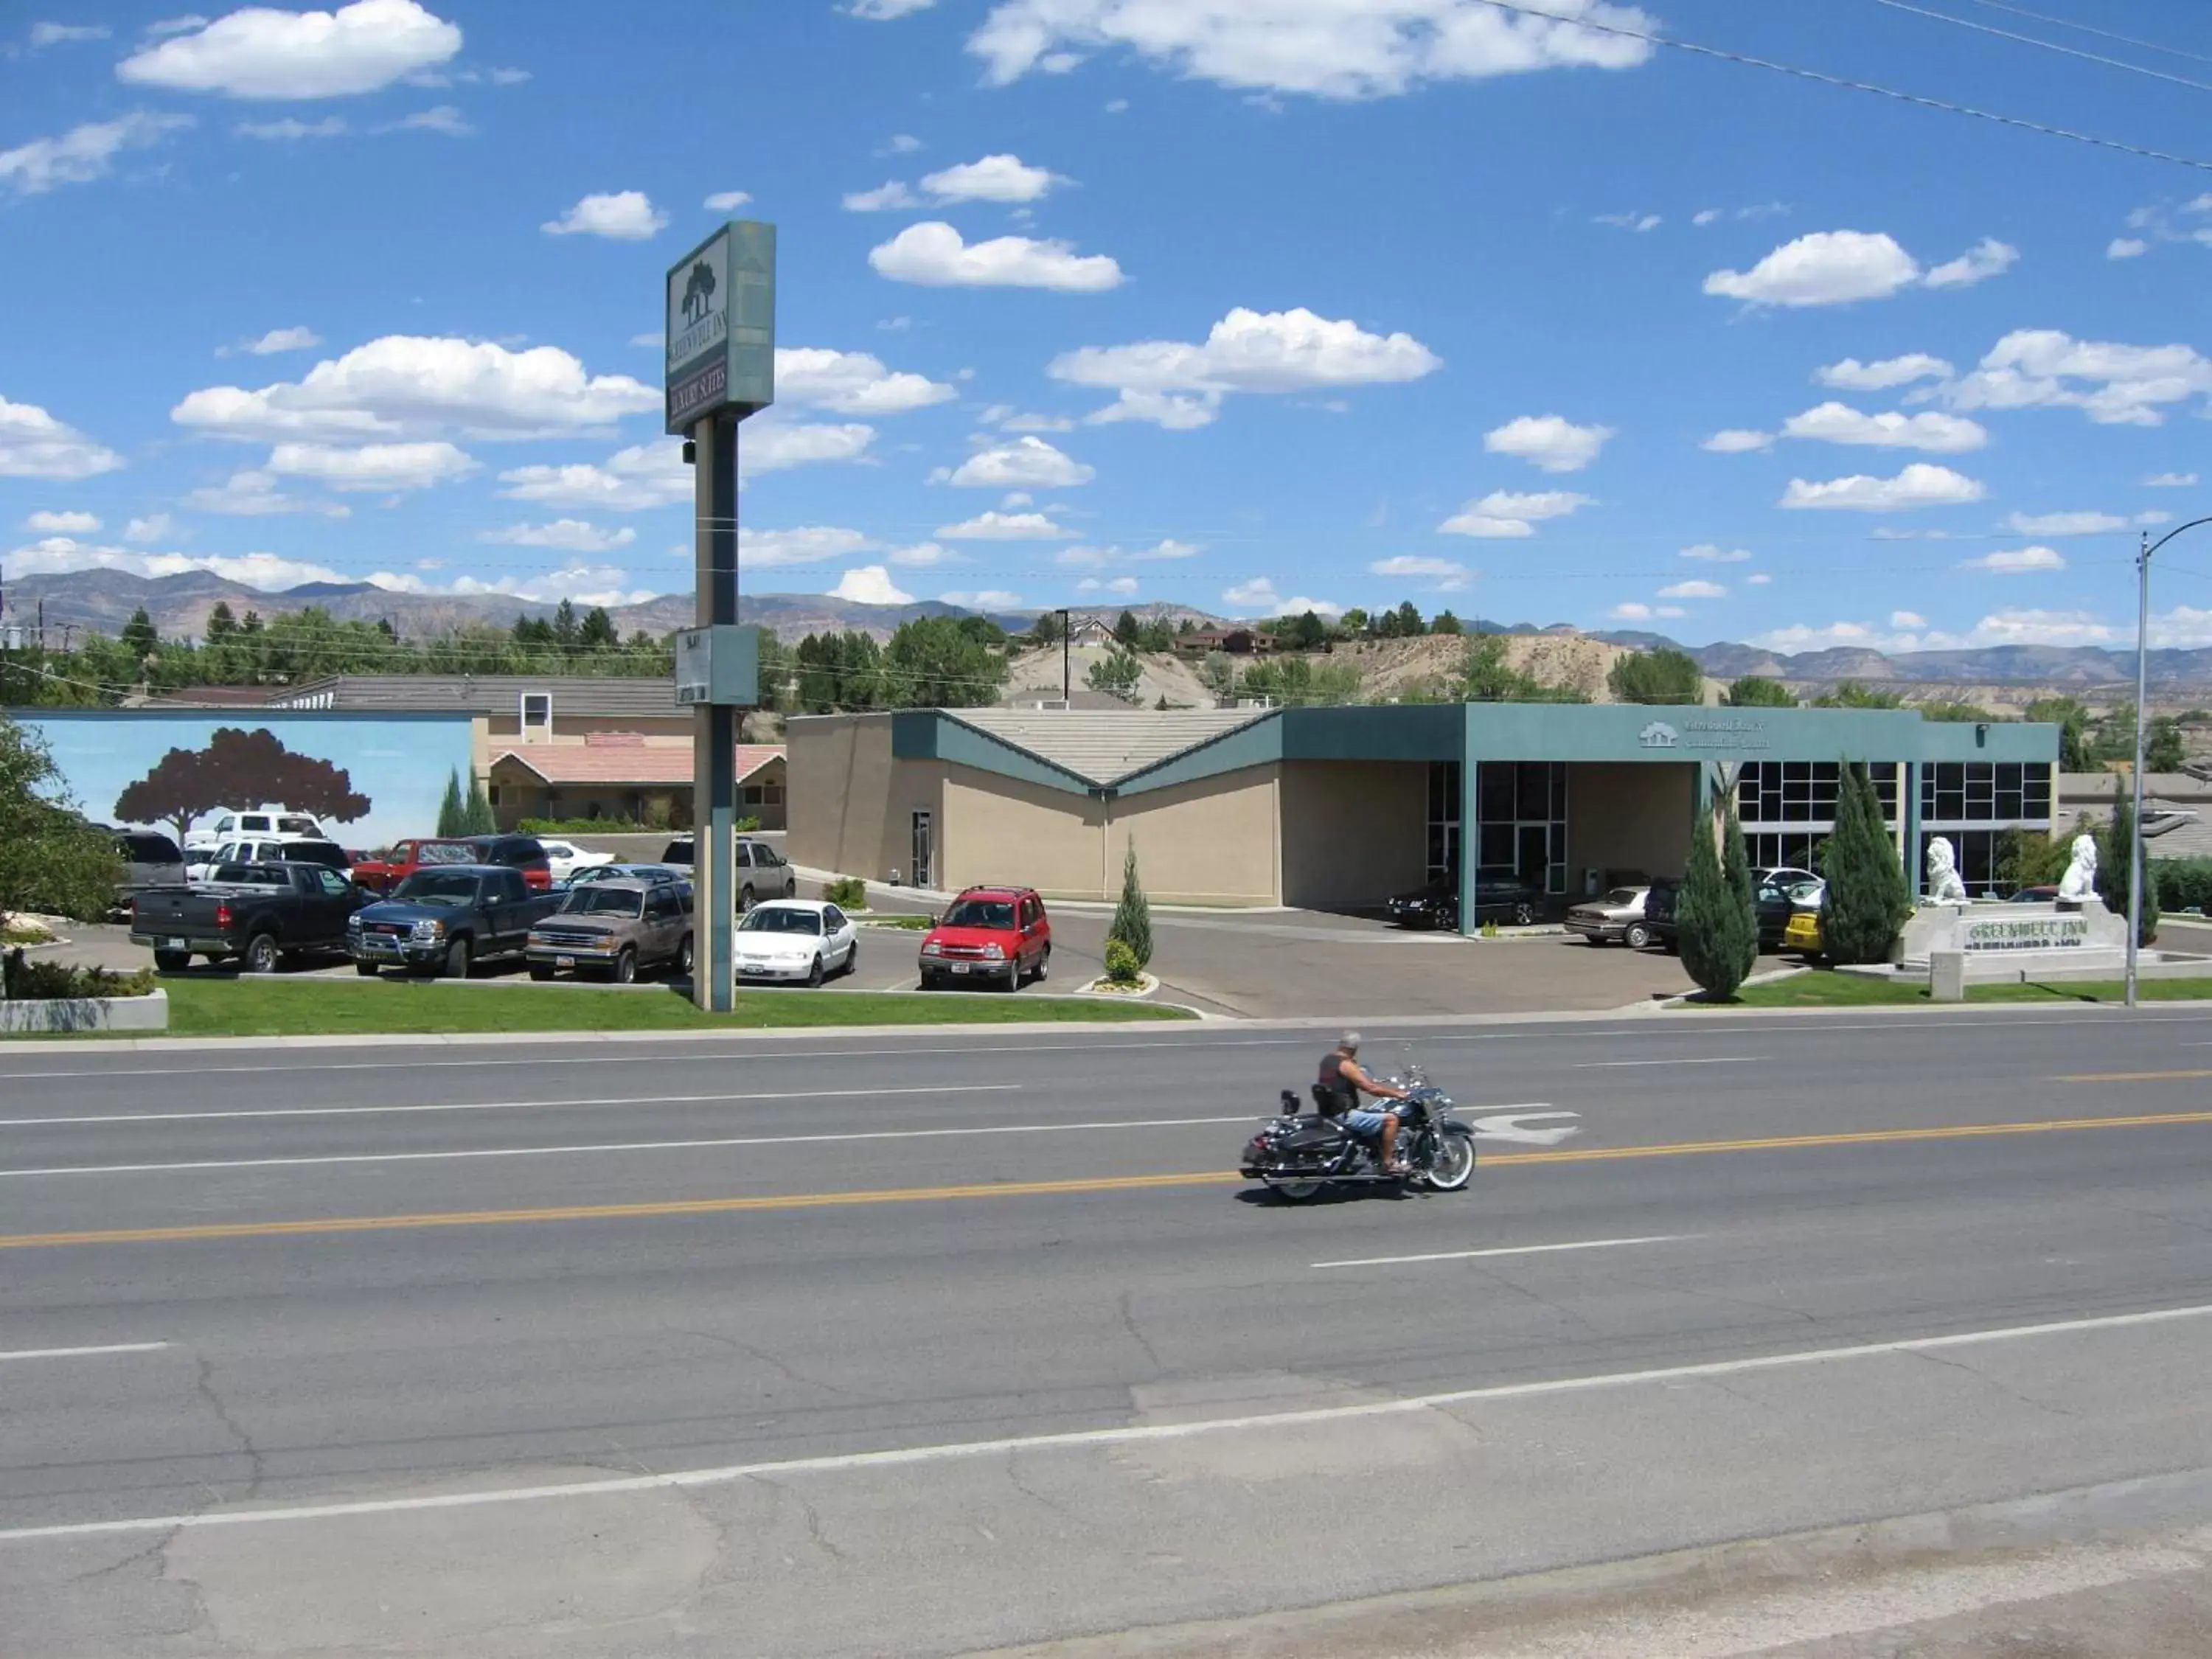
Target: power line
(1825, 79)
(2047, 46)
(2091, 28)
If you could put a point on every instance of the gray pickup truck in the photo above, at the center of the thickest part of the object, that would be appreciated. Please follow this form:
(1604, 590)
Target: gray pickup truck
(447, 920)
(258, 914)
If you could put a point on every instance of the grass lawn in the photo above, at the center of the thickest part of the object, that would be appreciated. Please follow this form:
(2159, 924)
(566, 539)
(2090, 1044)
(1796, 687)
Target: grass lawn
(1821, 989)
(248, 1006)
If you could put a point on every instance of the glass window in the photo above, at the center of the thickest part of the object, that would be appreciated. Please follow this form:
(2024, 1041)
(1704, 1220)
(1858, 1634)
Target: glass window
(603, 900)
(776, 919)
(979, 913)
(834, 916)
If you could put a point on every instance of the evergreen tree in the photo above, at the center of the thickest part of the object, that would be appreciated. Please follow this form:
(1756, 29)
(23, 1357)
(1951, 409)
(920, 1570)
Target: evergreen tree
(565, 626)
(1866, 899)
(1717, 924)
(1047, 629)
(1660, 675)
(2164, 751)
(1132, 916)
(1408, 622)
(1755, 691)
(1125, 626)
(1853, 695)
(451, 809)
(597, 632)
(1447, 624)
(2116, 863)
(2072, 719)
(138, 637)
(476, 818)
(221, 624)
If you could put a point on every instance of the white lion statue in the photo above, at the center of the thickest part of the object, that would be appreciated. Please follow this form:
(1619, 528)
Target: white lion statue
(1944, 886)
(2080, 881)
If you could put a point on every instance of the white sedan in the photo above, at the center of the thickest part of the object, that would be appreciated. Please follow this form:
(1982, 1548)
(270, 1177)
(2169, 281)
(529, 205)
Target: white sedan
(565, 858)
(800, 939)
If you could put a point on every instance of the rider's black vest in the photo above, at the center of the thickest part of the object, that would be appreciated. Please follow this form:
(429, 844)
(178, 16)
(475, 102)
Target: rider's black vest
(1333, 1083)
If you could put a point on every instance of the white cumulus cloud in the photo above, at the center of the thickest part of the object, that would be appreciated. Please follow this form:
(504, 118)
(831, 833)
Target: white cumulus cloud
(2170, 480)
(871, 583)
(1920, 485)
(1448, 574)
(1369, 49)
(83, 153)
(2064, 524)
(883, 11)
(1693, 590)
(852, 383)
(255, 494)
(1838, 423)
(1823, 267)
(1738, 441)
(278, 340)
(291, 129)
(933, 255)
(1986, 258)
(2126, 247)
(1121, 585)
(993, 179)
(2113, 384)
(58, 555)
(156, 527)
(995, 526)
(1852, 375)
(261, 52)
(1508, 514)
(56, 35)
(1708, 553)
(728, 201)
(62, 524)
(34, 445)
(622, 216)
(1027, 463)
(801, 544)
(1258, 598)
(987, 598)
(567, 535)
(1098, 557)
(2016, 561)
(892, 193)
(403, 386)
(1550, 441)
(371, 467)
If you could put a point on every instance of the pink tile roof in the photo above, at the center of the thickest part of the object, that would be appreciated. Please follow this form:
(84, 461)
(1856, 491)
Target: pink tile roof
(751, 756)
(608, 758)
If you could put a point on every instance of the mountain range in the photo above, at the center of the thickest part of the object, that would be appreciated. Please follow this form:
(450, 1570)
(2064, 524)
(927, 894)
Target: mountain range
(103, 600)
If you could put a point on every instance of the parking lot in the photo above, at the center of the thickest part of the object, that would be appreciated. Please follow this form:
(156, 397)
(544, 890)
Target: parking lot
(1264, 964)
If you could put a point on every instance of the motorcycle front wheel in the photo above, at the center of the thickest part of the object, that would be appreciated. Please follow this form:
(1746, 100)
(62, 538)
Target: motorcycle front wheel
(1296, 1191)
(1451, 1164)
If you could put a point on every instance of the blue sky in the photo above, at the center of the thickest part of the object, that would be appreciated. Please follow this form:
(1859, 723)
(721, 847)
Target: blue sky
(1233, 303)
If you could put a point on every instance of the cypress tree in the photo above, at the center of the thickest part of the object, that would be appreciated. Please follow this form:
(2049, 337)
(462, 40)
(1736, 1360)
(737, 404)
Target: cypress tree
(1132, 916)
(2116, 863)
(1719, 928)
(477, 814)
(450, 810)
(1867, 900)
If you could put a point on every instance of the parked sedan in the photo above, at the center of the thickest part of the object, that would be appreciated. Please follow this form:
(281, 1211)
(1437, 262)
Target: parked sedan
(1496, 898)
(1615, 919)
(796, 940)
(565, 859)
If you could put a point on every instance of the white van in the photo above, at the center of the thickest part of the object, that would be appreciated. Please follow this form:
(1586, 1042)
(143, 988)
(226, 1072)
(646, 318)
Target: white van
(235, 823)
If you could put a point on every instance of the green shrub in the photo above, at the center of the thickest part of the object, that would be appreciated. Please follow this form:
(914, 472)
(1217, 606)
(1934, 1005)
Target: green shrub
(1132, 916)
(31, 980)
(2118, 848)
(1719, 926)
(847, 893)
(1867, 900)
(1122, 967)
(2182, 884)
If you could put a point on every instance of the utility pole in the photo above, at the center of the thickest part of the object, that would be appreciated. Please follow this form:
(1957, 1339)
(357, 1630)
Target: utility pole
(1067, 660)
(2137, 874)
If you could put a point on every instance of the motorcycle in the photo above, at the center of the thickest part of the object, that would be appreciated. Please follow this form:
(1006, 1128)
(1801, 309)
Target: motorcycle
(1296, 1154)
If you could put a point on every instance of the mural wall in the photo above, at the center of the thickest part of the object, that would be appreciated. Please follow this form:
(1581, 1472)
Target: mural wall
(372, 779)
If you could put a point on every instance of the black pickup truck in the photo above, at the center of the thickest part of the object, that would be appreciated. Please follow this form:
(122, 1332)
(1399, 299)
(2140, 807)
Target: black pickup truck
(445, 921)
(258, 914)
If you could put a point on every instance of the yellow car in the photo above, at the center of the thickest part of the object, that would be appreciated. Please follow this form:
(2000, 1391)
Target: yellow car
(1803, 933)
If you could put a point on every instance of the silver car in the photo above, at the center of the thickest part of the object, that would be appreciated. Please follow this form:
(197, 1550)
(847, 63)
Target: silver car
(1616, 919)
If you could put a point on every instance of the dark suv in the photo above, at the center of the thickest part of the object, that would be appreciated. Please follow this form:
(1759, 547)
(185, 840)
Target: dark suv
(1769, 897)
(523, 853)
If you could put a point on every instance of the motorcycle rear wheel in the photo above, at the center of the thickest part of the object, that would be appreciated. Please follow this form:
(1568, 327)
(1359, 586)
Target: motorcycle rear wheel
(1296, 1191)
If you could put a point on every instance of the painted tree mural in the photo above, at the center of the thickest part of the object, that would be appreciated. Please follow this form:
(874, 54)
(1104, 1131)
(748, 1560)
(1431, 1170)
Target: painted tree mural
(239, 768)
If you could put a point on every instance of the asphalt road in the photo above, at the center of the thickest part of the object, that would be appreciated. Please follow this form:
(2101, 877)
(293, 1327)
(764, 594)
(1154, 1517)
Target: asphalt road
(939, 1343)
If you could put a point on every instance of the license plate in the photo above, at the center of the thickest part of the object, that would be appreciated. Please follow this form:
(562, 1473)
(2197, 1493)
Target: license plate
(175, 945)
(564, 961)
(381, 944)
(959, 967)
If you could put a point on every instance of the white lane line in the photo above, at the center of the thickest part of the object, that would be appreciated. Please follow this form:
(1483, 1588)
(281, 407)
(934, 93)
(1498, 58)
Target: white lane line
(507, 1105)
(1716, 1059)
(1510, 1249)
(907, 1456)
(622, 1146)
(78, 1353)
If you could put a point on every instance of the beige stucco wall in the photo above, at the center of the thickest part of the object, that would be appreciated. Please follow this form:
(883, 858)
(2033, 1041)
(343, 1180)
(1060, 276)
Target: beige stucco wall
(1635, 816)
(1354, 832)
(849, 804)
(1212, 842)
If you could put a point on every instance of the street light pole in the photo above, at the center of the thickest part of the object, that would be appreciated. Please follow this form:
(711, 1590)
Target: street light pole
(2137, 874)
(1066, 662)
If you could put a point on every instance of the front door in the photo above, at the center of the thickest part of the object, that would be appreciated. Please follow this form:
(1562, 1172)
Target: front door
(924, 851)
(1533, 857)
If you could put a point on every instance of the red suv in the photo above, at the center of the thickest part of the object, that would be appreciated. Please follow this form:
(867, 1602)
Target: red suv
(998, 935)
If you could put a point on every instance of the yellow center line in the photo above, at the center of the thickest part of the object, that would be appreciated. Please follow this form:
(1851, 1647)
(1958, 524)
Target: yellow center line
(368, 1224)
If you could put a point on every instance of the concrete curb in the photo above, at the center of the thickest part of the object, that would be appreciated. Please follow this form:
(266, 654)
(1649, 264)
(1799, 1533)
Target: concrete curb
(1456, 1618)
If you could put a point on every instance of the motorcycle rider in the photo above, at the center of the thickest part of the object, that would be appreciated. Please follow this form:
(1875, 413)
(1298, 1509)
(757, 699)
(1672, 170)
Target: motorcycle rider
(1343, 1078)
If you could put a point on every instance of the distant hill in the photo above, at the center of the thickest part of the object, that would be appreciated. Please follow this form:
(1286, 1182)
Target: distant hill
(104, 600)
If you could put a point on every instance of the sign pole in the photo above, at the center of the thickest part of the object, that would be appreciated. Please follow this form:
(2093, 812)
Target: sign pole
(721, 368)
(714, 725)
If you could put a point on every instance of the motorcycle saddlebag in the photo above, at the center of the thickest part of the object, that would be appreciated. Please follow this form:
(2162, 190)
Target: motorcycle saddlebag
(1314, 1137)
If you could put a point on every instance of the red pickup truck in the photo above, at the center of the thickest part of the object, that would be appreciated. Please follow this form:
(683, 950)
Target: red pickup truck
(404, 858)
